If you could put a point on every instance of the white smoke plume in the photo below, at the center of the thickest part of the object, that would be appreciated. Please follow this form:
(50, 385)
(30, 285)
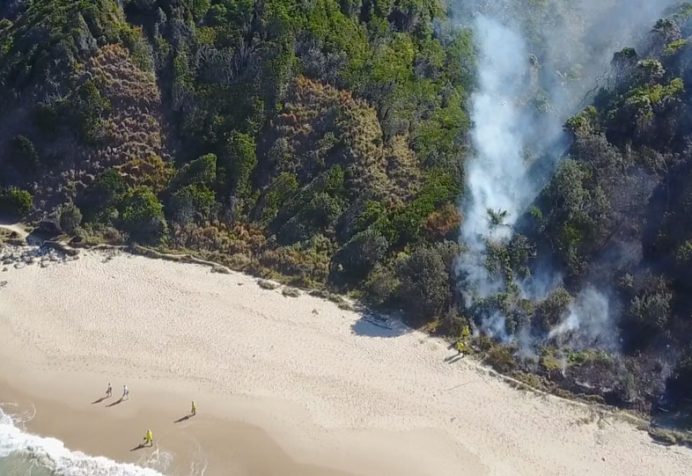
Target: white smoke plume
(537, 64)
(588, 323)
(496, 177)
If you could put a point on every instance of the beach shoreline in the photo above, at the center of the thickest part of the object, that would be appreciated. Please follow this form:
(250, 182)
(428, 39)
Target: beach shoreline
(183, 444)
(288, 385)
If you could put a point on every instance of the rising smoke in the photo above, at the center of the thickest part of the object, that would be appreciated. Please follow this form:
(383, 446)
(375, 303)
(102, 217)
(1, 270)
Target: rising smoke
(538, 64)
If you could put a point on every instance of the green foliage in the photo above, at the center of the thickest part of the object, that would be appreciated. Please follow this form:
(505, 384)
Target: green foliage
(67, 29)
(382, 285)
(373, 212)
(585, 121)
(69, 217)
(200, 8)
(552, 309)
(404, 224)
(357, 257)
(278, 192)
(202, 170)
(239, 162)
(88, 107)
(313, 210)
(324, 182)
(15, 202)
(136, 43)
(438, 138)
(674, 46)
(576, 209)
(317, 214)
(649, 310)
(616, 211)
(501, 359)
(47, 118)
(550, 362)
(510, 259)
(652, 95)
(684, 252)
(190, 201)
(425, 279)
(98, 202)
(23, 155)
(141, 215)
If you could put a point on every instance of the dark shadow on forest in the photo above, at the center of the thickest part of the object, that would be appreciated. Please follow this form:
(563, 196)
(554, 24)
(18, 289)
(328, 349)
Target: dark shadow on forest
(372, 324)
(671, 421)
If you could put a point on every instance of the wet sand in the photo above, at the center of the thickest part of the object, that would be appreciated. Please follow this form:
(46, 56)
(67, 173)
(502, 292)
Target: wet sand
(283, 385)
(211, 442)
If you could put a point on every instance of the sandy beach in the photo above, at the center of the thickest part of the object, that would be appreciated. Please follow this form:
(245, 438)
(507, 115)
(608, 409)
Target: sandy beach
(292, 386)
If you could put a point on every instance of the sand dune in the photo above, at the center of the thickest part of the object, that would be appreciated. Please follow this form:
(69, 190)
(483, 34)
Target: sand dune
(284, 385)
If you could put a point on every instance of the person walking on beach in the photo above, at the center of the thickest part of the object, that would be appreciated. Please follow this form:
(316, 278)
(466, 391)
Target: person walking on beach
(149, 438)
(109, 390)
(193, 411)
(126, 393)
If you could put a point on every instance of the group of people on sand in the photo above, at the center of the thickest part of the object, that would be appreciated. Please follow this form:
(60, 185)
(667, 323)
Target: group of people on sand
(148, 435)
(126, 392)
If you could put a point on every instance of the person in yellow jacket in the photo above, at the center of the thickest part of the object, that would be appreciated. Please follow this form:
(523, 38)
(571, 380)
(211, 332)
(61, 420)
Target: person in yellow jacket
(193, 411)
(149, 438)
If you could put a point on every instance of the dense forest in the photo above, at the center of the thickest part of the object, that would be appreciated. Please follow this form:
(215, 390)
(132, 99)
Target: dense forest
(315, 139)
(324, 142)
(616, 214)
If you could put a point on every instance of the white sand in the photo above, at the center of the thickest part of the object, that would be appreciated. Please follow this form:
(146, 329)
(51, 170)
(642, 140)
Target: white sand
(330, 388)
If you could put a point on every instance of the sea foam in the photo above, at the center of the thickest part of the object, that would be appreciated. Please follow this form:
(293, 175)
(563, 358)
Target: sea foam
(24, 453)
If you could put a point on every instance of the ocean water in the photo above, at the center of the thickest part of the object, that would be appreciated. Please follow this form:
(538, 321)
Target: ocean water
(24, 454)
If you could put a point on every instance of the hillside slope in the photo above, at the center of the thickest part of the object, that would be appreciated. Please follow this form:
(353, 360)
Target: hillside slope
(271, 135)
(616, 217)
(325, 143)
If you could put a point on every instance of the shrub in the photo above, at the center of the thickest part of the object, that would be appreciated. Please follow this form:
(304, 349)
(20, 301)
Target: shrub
(500, 358)
(425, 288)
(102, 195)
(23, 155)
(69, 217)
(201, 171)
(404, 224)
(359, 255)
(191, 201)
(278, 192)
(46, 118)
(649, 312)
(150, 171)
(15, 202)
(89, 107)
(443, 223)
(315, 215)
(200, 8)
(382, 284)
(141, 215)
(454, 324)
(239, 162)
(550, 362)
(549, 312)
